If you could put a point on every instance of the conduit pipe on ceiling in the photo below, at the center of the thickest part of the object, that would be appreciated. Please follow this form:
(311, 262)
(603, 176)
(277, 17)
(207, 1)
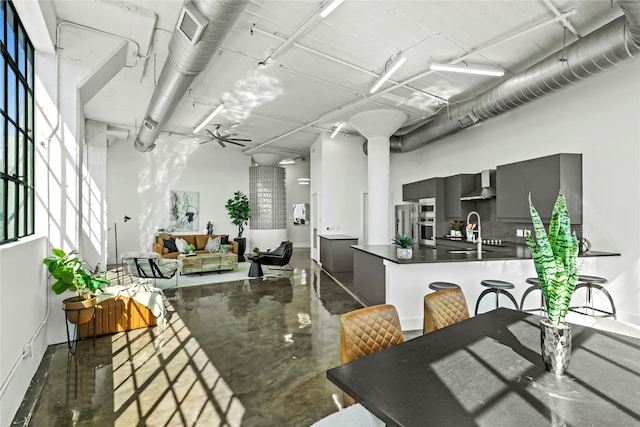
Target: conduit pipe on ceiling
(201, 28)
(613, 44)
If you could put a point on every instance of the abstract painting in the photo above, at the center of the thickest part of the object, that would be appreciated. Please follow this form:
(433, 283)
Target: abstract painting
(183, 210)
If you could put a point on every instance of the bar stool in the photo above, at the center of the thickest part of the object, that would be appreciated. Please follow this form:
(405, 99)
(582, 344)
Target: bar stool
(498, 287)
(535, 286)
(591, 283)
(443, 286)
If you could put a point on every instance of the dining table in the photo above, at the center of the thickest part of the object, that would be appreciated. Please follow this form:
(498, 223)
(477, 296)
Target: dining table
(488, 371)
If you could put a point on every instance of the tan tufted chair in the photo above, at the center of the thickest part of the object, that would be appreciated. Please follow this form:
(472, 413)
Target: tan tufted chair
(444, 308)
(366, 331)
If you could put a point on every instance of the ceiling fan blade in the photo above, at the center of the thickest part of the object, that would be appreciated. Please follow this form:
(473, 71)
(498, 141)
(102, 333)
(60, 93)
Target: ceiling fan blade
(237, 143)
(208, 140)
(221, 143)
(210, 133)
(237, 139)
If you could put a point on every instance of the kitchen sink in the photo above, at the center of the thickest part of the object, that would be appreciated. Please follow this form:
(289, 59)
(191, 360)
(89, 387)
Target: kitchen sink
(466, 251)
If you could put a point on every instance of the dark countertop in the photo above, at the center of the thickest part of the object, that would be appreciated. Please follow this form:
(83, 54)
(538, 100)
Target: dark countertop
(441, 253)
(337, 237)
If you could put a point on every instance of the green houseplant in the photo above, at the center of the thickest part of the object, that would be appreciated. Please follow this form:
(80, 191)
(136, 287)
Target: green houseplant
(239, 211)
(70, 276)
(555, 256)
(404, 246)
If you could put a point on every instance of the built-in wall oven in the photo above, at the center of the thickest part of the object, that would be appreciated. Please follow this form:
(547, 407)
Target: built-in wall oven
(427, 231)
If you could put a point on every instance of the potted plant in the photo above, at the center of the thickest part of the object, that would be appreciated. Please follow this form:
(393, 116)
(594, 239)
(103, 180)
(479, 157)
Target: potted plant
(225, 248)
(555, 257)
(404, 246)
(191, 248)
(456, 228)
(238, 208)
(71, 276)
(256, 251)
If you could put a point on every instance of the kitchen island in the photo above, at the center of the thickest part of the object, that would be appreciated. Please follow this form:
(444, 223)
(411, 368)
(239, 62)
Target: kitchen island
(381, 277)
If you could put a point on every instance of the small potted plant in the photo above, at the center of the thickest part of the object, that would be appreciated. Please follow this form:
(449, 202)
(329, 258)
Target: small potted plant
(256, 251)
(456, 228)
(225, 248)
(71, 276)
(555, 257)
(404, 246)
(191, 248)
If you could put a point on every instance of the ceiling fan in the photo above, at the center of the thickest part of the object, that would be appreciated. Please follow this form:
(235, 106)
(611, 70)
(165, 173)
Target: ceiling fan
(222, 138)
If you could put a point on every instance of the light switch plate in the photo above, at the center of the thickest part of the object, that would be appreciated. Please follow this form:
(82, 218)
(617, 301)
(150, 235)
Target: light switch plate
(519, 232)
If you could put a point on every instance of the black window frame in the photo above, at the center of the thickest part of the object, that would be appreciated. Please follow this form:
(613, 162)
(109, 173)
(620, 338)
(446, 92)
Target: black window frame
(17, 207)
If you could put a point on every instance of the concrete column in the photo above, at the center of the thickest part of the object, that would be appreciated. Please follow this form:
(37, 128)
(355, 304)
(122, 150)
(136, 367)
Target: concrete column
(377, 126)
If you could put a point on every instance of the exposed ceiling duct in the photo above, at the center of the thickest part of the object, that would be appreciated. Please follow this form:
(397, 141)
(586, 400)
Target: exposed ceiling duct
(614, 44)
(201, 28)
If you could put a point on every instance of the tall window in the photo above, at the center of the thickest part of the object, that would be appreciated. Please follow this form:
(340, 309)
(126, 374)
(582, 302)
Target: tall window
(16, 127)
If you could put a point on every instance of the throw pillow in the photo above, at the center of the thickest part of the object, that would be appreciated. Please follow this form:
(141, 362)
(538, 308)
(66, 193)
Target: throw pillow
(170, 244)
(213, 244)
(224, 240)
(182, 245)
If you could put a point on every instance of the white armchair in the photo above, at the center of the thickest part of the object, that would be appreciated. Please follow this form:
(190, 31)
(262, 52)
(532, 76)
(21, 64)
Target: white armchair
(150, 265)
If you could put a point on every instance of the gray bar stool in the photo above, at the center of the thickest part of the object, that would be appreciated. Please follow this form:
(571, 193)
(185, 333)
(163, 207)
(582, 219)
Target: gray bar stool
(443, 286)
(535, 286)
(591, 283)
(498, 287)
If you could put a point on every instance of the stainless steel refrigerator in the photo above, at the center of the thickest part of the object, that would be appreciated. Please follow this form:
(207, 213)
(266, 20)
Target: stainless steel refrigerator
(406, 219)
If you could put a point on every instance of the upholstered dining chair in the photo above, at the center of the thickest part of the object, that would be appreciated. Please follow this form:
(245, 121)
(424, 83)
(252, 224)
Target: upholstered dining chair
(150, 265)
(444, 308)
(367, 331)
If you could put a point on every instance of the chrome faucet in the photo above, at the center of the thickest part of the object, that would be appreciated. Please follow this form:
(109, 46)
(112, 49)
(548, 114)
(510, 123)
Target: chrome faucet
(479, 239)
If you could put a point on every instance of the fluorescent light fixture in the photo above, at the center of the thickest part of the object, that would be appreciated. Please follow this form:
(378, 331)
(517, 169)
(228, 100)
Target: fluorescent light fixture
(327, 10)
(303, 182)
(457, 68)
(304, 179)
(209, 117)
(394, 66)
(336, 130)
(287, 162)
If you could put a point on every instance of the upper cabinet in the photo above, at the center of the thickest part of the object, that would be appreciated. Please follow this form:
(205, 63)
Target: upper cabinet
(543, 178)
(455, 187)
(415, 191)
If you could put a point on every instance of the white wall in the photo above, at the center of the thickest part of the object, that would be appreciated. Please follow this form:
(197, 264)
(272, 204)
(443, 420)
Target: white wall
(599, 118)
(138, 186)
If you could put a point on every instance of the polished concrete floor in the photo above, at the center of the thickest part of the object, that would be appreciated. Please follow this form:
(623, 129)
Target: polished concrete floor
(244, 353)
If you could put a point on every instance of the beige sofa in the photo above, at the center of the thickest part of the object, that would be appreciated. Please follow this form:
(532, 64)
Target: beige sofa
(197, 240)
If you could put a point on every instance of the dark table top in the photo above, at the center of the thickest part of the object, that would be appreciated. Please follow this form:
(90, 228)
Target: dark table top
(488, 371)
(441, 253)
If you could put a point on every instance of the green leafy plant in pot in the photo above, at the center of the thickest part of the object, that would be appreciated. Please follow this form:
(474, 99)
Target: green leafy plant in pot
(404, 246)
(239, 211)
(555, 256)
(70, 276)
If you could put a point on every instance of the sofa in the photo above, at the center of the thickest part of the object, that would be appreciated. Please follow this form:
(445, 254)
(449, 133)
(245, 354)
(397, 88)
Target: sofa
(197, 240)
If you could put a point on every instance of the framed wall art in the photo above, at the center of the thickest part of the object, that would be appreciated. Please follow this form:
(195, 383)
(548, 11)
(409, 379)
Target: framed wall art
(183, 210)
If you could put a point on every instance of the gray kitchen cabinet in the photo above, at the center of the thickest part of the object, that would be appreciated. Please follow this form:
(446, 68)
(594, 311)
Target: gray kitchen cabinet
(543, 178)
(414, 191)
(455, 187)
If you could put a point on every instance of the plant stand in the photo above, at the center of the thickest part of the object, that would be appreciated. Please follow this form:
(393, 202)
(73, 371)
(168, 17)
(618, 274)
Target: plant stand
(72, 344)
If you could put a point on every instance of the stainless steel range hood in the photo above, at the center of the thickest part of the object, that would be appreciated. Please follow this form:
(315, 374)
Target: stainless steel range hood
(487, 187)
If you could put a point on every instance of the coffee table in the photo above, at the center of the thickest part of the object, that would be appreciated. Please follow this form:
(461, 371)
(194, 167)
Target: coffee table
(205, 262)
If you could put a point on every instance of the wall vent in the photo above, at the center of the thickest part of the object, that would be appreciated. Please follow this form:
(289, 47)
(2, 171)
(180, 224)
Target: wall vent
(149, 123)
(468, 119)
(191, 23)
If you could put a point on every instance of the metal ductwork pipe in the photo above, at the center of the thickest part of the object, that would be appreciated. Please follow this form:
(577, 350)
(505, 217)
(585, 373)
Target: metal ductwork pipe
(201, 28)
(614, 44)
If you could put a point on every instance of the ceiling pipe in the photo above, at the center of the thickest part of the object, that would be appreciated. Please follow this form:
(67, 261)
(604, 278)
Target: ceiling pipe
(613, 44)
(201, 28)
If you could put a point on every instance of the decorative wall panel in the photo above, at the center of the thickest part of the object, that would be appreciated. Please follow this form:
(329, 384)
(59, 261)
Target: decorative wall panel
(267, 197)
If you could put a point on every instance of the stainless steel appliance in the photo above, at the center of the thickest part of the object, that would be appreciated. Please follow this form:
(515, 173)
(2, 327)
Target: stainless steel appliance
(427, 231)
(427, 208)
(406, 218)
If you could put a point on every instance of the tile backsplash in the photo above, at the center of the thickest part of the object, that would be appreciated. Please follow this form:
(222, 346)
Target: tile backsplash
(493, 229)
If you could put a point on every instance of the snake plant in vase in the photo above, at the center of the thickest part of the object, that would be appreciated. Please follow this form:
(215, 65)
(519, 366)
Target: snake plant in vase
(403, 243)
(555, 256)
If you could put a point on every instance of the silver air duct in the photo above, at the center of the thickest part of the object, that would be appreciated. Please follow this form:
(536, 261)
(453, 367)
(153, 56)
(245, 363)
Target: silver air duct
(614, 44)
(200, 30)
